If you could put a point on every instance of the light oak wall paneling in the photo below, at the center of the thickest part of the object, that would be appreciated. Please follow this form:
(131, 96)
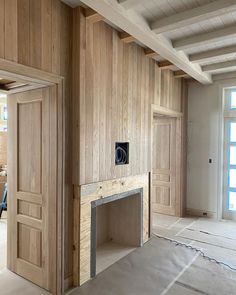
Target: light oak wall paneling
(3, 148)
(10, 30)
(65, 70)
(38, 34)
(2, 28)
(31, 33)
(23, 22)
(114, 85)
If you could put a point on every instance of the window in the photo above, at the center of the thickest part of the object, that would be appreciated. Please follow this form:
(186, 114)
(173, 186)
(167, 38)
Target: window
(232, 201)
(3, 113)
(233, 100)
(232, 165)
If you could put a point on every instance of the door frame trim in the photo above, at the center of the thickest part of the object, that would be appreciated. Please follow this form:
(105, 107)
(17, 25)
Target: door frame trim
(44, 79)
(157, 110)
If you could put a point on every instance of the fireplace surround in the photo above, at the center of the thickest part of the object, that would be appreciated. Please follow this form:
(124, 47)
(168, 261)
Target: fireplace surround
(89, 198)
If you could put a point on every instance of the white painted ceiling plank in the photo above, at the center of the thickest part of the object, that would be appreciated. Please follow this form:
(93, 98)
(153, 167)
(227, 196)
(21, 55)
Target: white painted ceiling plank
(128, 4)
(210, 55)
(138, 27)
(227, 65)
(205, 38)
(195, 15)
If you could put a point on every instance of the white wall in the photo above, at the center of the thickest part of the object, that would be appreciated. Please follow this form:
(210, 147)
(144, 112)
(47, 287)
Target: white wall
(204, 135)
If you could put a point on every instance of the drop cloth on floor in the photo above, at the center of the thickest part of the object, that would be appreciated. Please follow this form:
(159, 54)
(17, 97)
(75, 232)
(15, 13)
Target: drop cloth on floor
(146, 271)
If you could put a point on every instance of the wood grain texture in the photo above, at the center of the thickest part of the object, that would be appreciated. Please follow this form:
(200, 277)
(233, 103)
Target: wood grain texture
(84, 195)
(38, 34)
(31, 32)
(114, 85)
(33, 176)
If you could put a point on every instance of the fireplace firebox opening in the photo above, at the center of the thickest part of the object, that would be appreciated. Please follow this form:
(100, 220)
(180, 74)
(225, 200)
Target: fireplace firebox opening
(116, 228)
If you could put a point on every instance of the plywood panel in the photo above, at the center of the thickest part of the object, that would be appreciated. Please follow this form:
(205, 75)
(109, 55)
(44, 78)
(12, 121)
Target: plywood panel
(119, 83)
(84, 195)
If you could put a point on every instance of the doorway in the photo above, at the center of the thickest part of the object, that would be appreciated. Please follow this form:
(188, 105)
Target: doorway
(229, 175)
(3, 180)
(167, 177)
(34, 177)
(164, 165)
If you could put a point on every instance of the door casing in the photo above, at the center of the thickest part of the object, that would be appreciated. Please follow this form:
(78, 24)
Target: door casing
(180, 160)
(38, 79)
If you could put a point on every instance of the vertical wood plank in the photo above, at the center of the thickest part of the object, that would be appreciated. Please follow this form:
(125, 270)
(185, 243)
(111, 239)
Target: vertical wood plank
(35, 34)
(89, 104)
(2, 28)
(46, 15)
(121, 84)
(23, 8)
(56, 31)
(11, 30)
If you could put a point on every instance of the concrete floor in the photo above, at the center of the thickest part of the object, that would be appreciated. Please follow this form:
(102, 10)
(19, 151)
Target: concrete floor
(216, 238)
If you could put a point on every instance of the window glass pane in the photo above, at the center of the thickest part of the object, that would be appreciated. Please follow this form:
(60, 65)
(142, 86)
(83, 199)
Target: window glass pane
(232, 178)
(233, 132)
(233, 100)
(232, 201)
(232, 155)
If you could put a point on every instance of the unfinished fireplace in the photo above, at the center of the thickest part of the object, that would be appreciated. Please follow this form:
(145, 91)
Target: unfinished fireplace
(131, 214)
(116, 228)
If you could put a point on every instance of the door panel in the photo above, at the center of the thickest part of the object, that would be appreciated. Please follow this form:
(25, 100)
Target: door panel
(163, 166)
(32, 182)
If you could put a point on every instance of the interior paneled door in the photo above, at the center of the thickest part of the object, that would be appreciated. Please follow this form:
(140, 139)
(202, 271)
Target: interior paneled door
(164, 166)
(32, 210)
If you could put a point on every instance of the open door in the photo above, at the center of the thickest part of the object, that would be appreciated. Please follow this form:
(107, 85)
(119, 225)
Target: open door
(164, 165)
(32, 184)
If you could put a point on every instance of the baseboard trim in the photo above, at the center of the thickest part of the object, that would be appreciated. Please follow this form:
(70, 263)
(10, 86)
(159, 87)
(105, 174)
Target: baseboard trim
(201, 213)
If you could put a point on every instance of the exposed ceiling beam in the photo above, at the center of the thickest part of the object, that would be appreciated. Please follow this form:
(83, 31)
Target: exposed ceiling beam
(128, 4)
(138, 27)
(205, 38)
(126, 38)
(165, 64)
(216, 67)
(211, 55)
(150, 53)
(180, 74)
(93, 16)
(195, 15)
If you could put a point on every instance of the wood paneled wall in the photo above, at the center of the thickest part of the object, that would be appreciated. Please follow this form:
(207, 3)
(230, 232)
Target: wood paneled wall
(38, 33)
(114, 86)
(3, 148)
